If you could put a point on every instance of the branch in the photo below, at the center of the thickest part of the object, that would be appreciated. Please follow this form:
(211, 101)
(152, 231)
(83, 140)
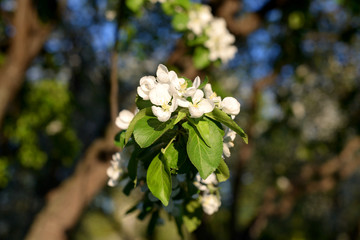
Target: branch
(66, 203)
(240, 26)
(29, 38)
(89, 178)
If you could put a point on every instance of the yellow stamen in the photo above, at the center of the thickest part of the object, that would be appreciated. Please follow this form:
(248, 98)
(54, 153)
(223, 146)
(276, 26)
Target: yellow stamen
(165, 106)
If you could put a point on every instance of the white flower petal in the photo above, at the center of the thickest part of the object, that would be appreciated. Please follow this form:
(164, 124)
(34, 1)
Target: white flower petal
(113, 173)
(230, 106)
(190, 92)
(162, 74)
(206, 105)
(124, 119)
(226, 150)
(161, 114)
(116, 157)
(147, 83)
(211, 179)
(159, 95)
(199, 18)
(172, 76)
(197, 96)
(112, 183)
(174, 105)
(195, 112)
(182, 102)
(210, 203)
(208, 90)
(142, 94)
(196, 82)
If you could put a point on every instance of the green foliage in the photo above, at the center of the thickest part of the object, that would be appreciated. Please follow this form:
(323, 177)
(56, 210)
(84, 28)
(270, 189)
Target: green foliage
(179, 21)
(46, 115)
(192, 215)
(225, 119)
(158, 179)
(131, 127)
(4, 175)
(134, 5)
(148, 129)
(222, 172)
(205, 158)
(201, 57)
(120, 139)
(174, 157)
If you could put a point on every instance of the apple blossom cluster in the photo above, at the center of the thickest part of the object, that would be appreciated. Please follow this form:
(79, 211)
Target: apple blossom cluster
(167, 92)
(220, 41)
(209, 194)
(174, 146)
(202, 27)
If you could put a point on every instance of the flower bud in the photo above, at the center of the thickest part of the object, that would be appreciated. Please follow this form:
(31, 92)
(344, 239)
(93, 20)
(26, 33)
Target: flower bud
(230, 106)
(124, 119)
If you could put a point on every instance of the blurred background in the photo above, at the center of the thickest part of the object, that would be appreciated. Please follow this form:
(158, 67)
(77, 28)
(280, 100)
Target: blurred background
(296, 74)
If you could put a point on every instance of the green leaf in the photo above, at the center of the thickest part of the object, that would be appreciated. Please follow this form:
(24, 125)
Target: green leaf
(134, 5)
(158, 179)
(222, 172)
(179, 21)
(191, 223)
(181, 115)
(198, 40)
(202, 127)
(183, 3)
(192, 215)
(225, 119)
(136, 118)
(205, 159)
(120, 139)
(171, 155)
(206, 80)
(201, 58)
(148, 129)
(168, 8)
(175, 154)
(141, 103)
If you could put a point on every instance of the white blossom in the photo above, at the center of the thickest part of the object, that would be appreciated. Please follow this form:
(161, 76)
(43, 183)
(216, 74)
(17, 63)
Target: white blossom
(220, 41)
(202, 184)
(124, 119)
(146, 84)
(199, 19)
(161, 97)
(163, 113)
(180, 91)
(210, 203)
(115, 171)
(211, 95)
(230, 106)
(200, 105)
(211, 179)
(163, 75)
(228, 141)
